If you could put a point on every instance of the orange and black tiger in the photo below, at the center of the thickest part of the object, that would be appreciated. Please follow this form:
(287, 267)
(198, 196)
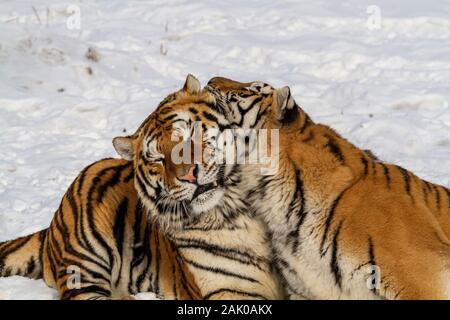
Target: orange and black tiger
(344, 225)
(186, 233)
(100, 243)
(197, 200)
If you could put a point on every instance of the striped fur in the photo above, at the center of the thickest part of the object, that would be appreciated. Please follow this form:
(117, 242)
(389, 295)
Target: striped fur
(345, 225)
(101, 231)
(224, 247)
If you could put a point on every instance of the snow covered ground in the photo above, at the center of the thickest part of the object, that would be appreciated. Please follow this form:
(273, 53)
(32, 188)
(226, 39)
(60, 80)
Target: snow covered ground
(377, 71)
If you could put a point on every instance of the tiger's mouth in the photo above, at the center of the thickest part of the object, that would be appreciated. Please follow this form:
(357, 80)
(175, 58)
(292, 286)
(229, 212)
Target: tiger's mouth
(204, 188)
(209, 187)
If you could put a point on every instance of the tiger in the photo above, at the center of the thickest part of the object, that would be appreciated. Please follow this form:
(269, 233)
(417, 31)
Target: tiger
(101, 237)
(107, 232)
(197, 202)
(343, 224)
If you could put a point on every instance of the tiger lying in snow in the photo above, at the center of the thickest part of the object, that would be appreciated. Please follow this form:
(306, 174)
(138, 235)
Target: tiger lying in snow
(210, 248)
(343, 225)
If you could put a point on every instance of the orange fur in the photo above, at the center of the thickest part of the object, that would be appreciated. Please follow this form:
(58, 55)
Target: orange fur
(336, 213)
(101, 229)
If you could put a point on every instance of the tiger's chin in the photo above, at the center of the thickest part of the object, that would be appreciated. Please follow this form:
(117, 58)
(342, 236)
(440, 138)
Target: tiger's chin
(206, 201)
(174, 216)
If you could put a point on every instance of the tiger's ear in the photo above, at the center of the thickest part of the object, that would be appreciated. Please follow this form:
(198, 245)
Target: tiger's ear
(284, 107)
(192, 85)
(124, 147)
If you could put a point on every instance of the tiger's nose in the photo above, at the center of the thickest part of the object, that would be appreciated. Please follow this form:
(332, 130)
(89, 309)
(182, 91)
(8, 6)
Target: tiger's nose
(190, 175)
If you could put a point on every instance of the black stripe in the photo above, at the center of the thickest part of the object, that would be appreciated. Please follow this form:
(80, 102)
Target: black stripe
(95, 275)
(129, 177)
(300, 211)
(79, 215)
(365, 164)
(306, 120)
(220, 271)
(55, 244)
(80, 234)
(42, 240)
(386, 175)
(212, 251)
(174, 279)
(143, 176)
(119, 231)
(241, 111)
(172, 116)
(83, 173)
(210, 116)
(406, 178)
(335, 149)
(143, 188)
(138, 241)
(244, 112)
(328, 222)
(70, 294)
(171, 97)
(213, 106)
(157, 263)
(146, 273)
(438, 197)
(14, 245)
(193, 110)
(61, 226)
(186, 284)
(31, 266)
(371, 253)
(90, 214)
(213, 248)
(114, 180)
(429, 186)
(242, 293)
(374, 167)
(49, 251)
(334, 263)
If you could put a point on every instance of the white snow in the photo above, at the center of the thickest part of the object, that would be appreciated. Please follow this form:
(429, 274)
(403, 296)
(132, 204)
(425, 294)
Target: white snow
(384, 86)
(19, 288)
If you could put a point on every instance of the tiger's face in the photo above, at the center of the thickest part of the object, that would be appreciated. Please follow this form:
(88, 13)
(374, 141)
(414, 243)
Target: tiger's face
(245, 105)
(174, 154)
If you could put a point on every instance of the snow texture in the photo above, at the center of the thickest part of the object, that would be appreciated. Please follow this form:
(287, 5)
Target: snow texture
(377, 71)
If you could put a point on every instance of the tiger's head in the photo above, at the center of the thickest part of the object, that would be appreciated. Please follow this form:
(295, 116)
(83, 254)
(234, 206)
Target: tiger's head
(257, 104)
(176, 173)
(244, 104)
(174, 181)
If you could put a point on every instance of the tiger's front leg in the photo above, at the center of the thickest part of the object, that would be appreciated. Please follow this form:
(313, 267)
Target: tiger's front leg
(89, 249)
(78, 282)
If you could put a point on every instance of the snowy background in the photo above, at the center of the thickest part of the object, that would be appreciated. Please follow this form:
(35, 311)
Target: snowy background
(377, 71)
